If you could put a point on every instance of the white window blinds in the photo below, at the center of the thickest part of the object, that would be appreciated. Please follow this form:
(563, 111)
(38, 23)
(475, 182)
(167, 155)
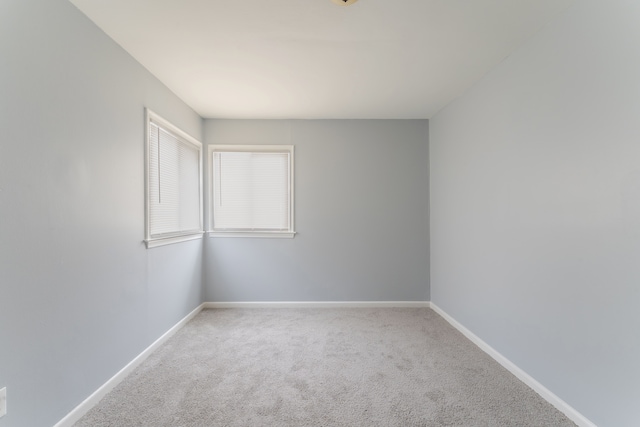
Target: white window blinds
(173, 183)
(252, 190)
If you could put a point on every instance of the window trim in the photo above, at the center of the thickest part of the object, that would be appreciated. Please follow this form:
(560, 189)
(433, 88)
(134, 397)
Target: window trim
(176, 237)
(287, 234)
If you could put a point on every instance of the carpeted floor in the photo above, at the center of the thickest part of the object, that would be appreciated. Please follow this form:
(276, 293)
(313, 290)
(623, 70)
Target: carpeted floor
(321, 367)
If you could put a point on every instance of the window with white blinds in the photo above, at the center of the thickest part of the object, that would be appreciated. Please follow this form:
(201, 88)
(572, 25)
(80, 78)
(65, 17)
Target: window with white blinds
(252, 190)
(174, 194)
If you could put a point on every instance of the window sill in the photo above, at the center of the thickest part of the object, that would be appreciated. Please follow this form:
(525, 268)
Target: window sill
(161, 241)
(258, 234)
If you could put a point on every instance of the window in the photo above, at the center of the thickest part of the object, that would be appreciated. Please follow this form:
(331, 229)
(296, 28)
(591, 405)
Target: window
(173, 184)
(251, 190)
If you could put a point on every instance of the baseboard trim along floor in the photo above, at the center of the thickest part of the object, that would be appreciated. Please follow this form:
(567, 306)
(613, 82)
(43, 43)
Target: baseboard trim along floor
(317, 304)
(546, 394)
(91, 401)
(550, 397)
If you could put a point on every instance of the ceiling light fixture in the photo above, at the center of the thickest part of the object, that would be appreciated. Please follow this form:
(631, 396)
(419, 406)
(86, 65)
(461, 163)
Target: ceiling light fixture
(344, 2)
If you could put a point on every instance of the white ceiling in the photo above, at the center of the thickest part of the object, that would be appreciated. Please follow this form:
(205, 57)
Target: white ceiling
(314, 59)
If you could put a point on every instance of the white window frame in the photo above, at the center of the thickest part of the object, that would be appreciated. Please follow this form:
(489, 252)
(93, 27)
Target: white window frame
(179, 236)
(287, 234)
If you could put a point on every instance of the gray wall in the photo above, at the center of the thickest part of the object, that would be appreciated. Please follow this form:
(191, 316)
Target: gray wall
(361, 208)
(80, 296)
(535, 209)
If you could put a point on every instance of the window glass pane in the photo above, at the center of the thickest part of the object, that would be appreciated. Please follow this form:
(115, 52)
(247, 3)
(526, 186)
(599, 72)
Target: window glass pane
(174, 183)
(251, 190)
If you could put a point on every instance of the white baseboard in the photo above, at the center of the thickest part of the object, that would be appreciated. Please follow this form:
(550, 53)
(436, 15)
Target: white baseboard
(80, 410)
(317, 304)
(560, 404)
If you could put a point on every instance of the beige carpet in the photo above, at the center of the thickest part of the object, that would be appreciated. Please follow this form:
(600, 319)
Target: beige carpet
(321, 367)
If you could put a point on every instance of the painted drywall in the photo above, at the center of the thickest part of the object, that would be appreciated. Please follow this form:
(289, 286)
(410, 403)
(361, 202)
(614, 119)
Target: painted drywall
(361, 213)
(80, 296)
(535, 209)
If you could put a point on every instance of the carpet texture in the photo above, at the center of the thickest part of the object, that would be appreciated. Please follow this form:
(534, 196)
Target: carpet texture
(321, 367)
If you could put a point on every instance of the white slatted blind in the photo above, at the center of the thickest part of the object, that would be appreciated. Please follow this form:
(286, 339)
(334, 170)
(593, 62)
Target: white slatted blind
(173, 184)
(251, 191)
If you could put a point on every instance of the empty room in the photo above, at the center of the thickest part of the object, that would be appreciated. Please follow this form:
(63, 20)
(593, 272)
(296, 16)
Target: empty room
(319, 213)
